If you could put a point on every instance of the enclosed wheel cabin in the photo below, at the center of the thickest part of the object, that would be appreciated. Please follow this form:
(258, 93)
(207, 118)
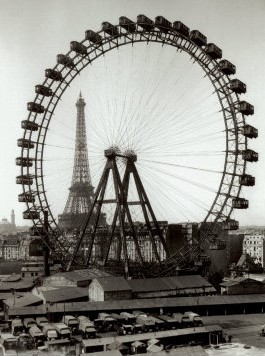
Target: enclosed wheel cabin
(110, 29)
(65, 60)
(227, 67)
(31, 214)
(163, 24)
(250, 155)
(146, 23)
(127, 24)
(24, 179)
(23, 142)
(198, 38)
(231, 225)
(240, 203)
(38, 108)
(181, 28)
(213, 51)
(250, 131)
(24, 161)
(93, 37)
(245, 108)
(43, 90)
(237, 86)
(247, 180)
(53, 74)
(78, 47)
(26, 198)
(29, 125)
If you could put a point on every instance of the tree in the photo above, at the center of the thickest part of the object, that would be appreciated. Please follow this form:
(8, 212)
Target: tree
(216, 278)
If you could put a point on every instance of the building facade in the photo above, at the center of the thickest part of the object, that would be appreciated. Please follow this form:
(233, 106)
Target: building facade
(254, 245)
(109, 288)
(243, 286)
(14, 247)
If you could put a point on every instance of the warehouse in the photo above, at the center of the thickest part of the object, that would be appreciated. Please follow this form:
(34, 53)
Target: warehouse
(109, 288)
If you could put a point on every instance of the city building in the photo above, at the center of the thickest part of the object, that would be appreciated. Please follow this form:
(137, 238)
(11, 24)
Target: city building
(15, 247)
(34, 267)
(10, 248)
(178, 234)
(254, 245)
(146, 247)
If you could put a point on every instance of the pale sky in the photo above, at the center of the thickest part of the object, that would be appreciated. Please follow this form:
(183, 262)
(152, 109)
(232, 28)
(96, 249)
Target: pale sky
(33, 32)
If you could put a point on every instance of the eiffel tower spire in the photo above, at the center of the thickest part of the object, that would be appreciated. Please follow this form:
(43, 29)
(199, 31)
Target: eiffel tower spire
(81, 191)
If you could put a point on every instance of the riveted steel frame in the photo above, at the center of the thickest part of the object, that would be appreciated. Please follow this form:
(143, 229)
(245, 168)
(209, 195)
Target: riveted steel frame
(234, 121)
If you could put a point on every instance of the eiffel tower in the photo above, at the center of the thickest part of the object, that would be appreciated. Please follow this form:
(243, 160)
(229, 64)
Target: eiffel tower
(81, 191)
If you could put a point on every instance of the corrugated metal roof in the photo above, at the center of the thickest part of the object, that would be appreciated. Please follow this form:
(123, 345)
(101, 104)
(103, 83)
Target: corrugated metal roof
(181, 351)
(150, 285)
(12, 278)
(168, 283)
(4, 296)
(132, 304)
(143, 337)
(82, 274)
(191, 281)
(239, 280)
(104, 353)
(23, 300)
(63, 294)
(158, 302)
(24, 283)
(36, 310)
(113, 284)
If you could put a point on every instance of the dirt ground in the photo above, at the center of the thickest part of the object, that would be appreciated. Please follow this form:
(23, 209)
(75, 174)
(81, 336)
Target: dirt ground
(244, 328)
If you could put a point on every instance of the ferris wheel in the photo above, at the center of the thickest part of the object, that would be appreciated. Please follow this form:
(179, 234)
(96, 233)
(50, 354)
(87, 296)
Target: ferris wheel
(187, 127)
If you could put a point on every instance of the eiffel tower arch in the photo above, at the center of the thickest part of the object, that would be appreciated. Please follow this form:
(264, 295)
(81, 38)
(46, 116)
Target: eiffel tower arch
(81, 191)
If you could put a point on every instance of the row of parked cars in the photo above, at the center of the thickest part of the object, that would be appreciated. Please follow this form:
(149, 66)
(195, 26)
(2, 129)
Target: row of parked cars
(138, 321)
(32, 333)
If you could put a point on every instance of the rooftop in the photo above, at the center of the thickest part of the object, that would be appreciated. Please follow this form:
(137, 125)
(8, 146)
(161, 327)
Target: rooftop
(135, 304)
(113, 284)
(145, 337)
(147, 303)
(77, 275)
(232, 282)
(22, 284)
(24, 300)
(168, 283)
(64, 294)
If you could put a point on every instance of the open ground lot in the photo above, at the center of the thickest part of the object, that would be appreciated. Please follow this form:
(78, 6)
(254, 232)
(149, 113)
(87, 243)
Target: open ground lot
(243, 328)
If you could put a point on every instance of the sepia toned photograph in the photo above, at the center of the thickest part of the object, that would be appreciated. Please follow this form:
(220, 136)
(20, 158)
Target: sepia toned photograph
(132, 189)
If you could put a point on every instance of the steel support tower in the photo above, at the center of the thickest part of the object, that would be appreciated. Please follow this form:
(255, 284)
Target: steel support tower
(123, 227)
(81, 191)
